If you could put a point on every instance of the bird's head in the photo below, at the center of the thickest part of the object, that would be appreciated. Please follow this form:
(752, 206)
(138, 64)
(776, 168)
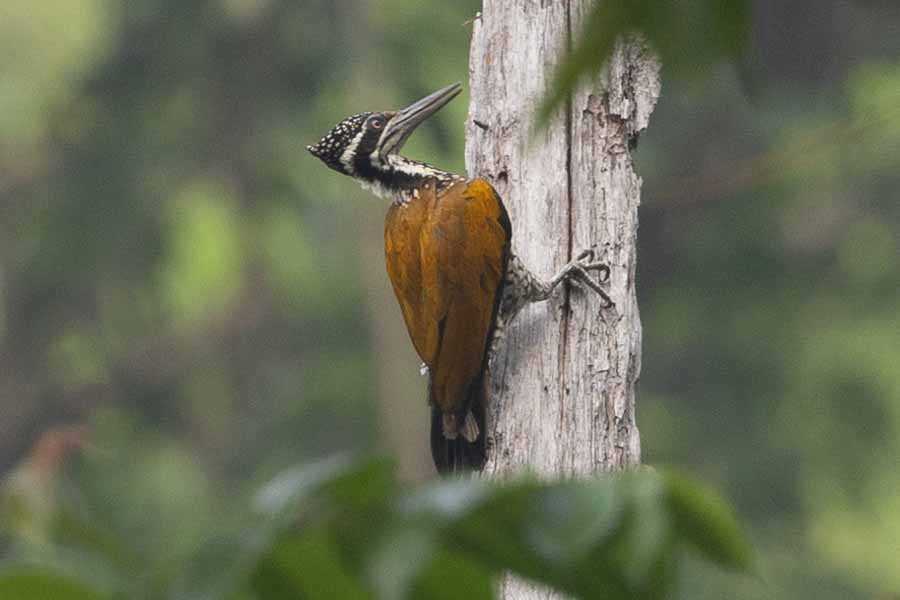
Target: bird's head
(365, 146)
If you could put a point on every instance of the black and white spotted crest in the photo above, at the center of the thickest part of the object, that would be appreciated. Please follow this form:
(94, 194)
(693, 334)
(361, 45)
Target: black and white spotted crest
(340, 143)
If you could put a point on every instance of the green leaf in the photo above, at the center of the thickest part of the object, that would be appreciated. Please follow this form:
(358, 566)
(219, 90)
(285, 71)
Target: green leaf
(640, 556)
(704, 520)
(613, 536)
(340, 528)
(307, 566)
(409, 562)
(494, 531)
(37, 583)
(589, 54)
(288, 489)
(568, 520)
(345, 498)
(451, 575)
(349, 483)
(397, 561)
(688, 36)
(557, 534)
(446, 501)
(371, 484)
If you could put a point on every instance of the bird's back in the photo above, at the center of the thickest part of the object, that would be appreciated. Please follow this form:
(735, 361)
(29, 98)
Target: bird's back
(446, 252)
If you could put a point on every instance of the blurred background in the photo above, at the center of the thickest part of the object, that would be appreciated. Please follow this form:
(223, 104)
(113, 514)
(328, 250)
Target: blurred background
(180, 277)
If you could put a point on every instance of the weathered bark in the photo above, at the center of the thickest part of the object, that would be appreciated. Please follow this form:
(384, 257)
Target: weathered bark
(563, 385)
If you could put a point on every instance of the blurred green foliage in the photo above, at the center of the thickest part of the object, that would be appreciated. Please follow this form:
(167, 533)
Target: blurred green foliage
(343, 529)
(689, 37)
(178, 272)
(772, 324)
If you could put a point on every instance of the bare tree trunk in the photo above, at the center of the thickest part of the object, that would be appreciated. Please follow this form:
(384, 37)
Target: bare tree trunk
(563, 384)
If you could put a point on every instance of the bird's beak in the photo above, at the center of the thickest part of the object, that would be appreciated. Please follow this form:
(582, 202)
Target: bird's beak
(405, 121)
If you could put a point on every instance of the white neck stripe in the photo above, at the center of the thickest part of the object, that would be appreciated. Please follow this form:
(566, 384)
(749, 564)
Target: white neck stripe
(350, 151)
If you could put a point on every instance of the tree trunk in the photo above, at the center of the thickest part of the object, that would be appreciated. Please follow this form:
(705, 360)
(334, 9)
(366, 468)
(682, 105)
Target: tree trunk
(563, 383)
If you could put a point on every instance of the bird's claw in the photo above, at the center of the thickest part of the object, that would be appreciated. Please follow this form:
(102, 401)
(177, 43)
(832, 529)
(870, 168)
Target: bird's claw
(585, 255)
(585, 263)
(585, 260)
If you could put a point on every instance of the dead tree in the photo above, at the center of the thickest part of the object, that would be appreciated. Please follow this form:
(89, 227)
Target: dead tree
(563, 383)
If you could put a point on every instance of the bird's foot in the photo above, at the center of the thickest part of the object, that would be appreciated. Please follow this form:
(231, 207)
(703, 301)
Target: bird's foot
(580, 269)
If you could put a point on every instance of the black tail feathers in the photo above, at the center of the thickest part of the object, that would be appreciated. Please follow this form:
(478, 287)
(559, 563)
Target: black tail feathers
(459, 455)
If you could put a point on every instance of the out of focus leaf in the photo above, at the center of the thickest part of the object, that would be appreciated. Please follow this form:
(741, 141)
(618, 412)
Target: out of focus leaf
(704, 520)
(400, 556)
(306, 566)
(689, 37)
(372, 483)
(348, 483)
(451, 575)
(612, 536)
(289, 488)
(640, 553)
(563, 535)
(344, 529)
(344, 498)
(494, 532)
(570, 519)
(445, 502)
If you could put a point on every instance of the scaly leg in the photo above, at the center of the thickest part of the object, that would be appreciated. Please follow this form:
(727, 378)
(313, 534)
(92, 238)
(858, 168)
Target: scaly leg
(522, 287)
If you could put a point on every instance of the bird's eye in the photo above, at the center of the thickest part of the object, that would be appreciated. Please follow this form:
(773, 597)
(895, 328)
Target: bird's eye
(376, 122)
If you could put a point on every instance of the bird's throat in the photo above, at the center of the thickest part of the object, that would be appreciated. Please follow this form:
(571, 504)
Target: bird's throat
(399, 179)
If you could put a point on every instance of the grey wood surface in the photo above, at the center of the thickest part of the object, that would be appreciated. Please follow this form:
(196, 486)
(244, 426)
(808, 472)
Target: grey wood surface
(563, 383)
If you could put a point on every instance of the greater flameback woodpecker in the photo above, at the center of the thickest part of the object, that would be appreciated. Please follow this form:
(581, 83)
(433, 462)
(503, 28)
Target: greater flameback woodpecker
(447, 244)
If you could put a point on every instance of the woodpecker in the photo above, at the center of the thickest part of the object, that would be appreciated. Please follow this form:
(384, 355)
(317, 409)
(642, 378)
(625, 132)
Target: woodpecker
(447, 245)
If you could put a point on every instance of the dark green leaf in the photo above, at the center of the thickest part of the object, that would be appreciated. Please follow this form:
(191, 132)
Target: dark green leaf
(451, 575)
(307, 566)
(347, 498)
(349, 484)
(689, 37)
(371, 484)
(557, 534)
(445, 501)
(398, 560)
(289, 488)
(704, 520)
(570, 519)
(637, 558)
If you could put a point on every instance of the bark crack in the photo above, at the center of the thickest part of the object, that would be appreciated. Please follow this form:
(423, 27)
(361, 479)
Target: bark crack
(567, 296)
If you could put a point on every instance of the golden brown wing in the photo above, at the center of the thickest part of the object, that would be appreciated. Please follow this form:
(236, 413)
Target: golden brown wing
(464, 249)
(446, 258)
(402, 233)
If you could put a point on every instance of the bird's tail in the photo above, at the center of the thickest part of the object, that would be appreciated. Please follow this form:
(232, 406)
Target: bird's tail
(466, 451)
